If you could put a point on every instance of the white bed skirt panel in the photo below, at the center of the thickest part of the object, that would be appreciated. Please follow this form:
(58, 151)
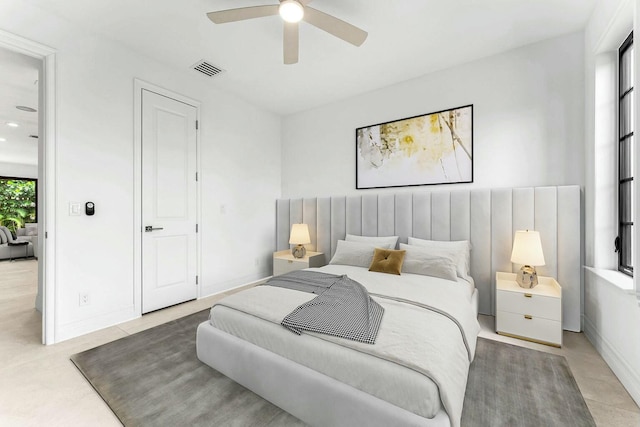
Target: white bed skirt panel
(299, 390)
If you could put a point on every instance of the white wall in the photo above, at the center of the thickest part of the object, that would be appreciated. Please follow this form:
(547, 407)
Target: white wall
(94, 158)
(528, 121)
(612, 324)
(17, 170)
(611, 310)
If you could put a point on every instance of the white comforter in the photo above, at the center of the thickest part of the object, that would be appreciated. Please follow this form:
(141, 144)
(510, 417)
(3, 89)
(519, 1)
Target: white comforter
(425, 341)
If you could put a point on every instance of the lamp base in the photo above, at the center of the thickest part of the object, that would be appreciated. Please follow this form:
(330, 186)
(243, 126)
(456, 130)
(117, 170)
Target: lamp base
(299, 251)
(527, 277)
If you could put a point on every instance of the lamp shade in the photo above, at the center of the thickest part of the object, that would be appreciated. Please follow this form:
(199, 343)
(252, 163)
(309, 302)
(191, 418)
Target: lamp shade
(299, 234)
(527, 248)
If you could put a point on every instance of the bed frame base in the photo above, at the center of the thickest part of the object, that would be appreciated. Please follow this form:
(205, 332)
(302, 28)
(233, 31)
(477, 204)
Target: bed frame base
(308, 395)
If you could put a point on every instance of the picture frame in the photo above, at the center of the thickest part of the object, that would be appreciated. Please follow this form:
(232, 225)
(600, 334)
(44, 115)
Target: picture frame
(429, 149)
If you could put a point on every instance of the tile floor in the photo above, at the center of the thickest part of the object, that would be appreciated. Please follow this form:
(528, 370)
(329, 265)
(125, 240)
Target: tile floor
(40, 386)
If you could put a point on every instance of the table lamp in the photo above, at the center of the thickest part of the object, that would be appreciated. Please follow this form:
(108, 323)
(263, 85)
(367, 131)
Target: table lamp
(527, 250)
(299, 237)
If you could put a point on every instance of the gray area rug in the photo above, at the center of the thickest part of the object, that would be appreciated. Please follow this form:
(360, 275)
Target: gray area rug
(153, 378)
(514, 386)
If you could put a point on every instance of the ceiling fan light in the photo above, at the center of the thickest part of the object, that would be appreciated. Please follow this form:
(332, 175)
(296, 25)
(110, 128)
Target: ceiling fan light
(291, 11)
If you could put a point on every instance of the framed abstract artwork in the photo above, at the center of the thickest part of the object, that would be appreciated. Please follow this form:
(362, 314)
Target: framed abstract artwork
(434, 148)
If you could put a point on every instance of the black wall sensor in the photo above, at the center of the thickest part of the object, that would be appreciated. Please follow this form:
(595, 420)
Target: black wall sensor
(89, 208)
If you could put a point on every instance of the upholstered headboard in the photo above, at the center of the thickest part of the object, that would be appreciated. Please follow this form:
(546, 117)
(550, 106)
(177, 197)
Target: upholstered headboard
(487, 217)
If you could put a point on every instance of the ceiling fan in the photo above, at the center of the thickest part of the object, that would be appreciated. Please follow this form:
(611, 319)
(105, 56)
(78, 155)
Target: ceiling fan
(292, 12)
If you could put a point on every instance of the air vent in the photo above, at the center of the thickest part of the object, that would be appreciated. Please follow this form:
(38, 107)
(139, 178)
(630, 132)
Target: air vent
(207, 68)
(25, 108)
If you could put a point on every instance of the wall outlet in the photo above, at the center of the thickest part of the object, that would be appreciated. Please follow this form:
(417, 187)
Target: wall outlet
(84, 299)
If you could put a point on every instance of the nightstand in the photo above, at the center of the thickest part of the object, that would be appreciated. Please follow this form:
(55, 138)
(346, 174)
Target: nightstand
(284, 262)
(531, 314)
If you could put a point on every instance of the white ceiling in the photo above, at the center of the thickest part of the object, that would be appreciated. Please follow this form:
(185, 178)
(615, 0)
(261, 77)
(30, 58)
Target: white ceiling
(407, 39)
(18, 86)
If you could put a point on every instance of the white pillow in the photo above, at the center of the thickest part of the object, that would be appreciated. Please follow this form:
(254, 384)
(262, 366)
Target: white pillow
(458, 250)
(355, 253)
(422, 261)
(392, 241)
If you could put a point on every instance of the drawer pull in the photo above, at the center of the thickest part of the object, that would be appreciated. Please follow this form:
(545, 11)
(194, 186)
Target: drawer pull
(528, 295)
(528, 316)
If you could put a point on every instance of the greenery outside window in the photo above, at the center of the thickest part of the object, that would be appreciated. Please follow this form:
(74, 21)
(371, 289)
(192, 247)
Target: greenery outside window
(625, 156)
(18, 202)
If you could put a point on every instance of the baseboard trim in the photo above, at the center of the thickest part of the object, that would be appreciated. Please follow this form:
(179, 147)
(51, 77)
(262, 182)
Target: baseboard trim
(85, 326)
(230, 285)
(620, 367)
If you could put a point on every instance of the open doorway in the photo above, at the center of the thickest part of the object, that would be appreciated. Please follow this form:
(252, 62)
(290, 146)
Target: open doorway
(46, 59)
(20, 290)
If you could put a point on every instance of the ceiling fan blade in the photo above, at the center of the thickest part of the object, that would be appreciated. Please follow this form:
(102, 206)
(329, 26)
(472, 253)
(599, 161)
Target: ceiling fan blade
(242, 13)
(335, 26)
(291, 39)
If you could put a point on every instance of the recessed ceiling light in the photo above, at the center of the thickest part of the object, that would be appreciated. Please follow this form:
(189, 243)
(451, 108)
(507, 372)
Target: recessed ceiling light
(3, 140)
(25, 108)
(12, 124)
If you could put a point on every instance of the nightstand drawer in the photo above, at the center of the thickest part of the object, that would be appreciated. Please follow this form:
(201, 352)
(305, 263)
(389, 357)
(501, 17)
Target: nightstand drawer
(531, 327)
(527, 303)
(282, 266)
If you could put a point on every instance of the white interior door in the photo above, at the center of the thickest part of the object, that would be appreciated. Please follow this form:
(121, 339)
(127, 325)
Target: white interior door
(169, 249)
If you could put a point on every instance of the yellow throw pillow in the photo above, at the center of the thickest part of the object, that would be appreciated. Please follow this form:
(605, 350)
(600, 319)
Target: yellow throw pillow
(387, 261)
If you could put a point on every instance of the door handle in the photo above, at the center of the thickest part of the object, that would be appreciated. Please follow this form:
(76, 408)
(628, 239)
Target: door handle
(149, 228)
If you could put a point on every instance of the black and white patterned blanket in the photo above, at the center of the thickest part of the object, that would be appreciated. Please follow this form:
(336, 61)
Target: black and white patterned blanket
(343, 307)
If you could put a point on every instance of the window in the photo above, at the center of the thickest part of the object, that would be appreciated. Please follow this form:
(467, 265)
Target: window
(18, 202)
(625, 157)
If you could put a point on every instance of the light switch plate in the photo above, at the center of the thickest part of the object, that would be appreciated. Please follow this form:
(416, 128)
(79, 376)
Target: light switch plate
(74, 208)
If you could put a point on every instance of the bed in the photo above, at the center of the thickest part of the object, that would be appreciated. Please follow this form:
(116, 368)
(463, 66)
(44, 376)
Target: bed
(307, 387)
(414, 374)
